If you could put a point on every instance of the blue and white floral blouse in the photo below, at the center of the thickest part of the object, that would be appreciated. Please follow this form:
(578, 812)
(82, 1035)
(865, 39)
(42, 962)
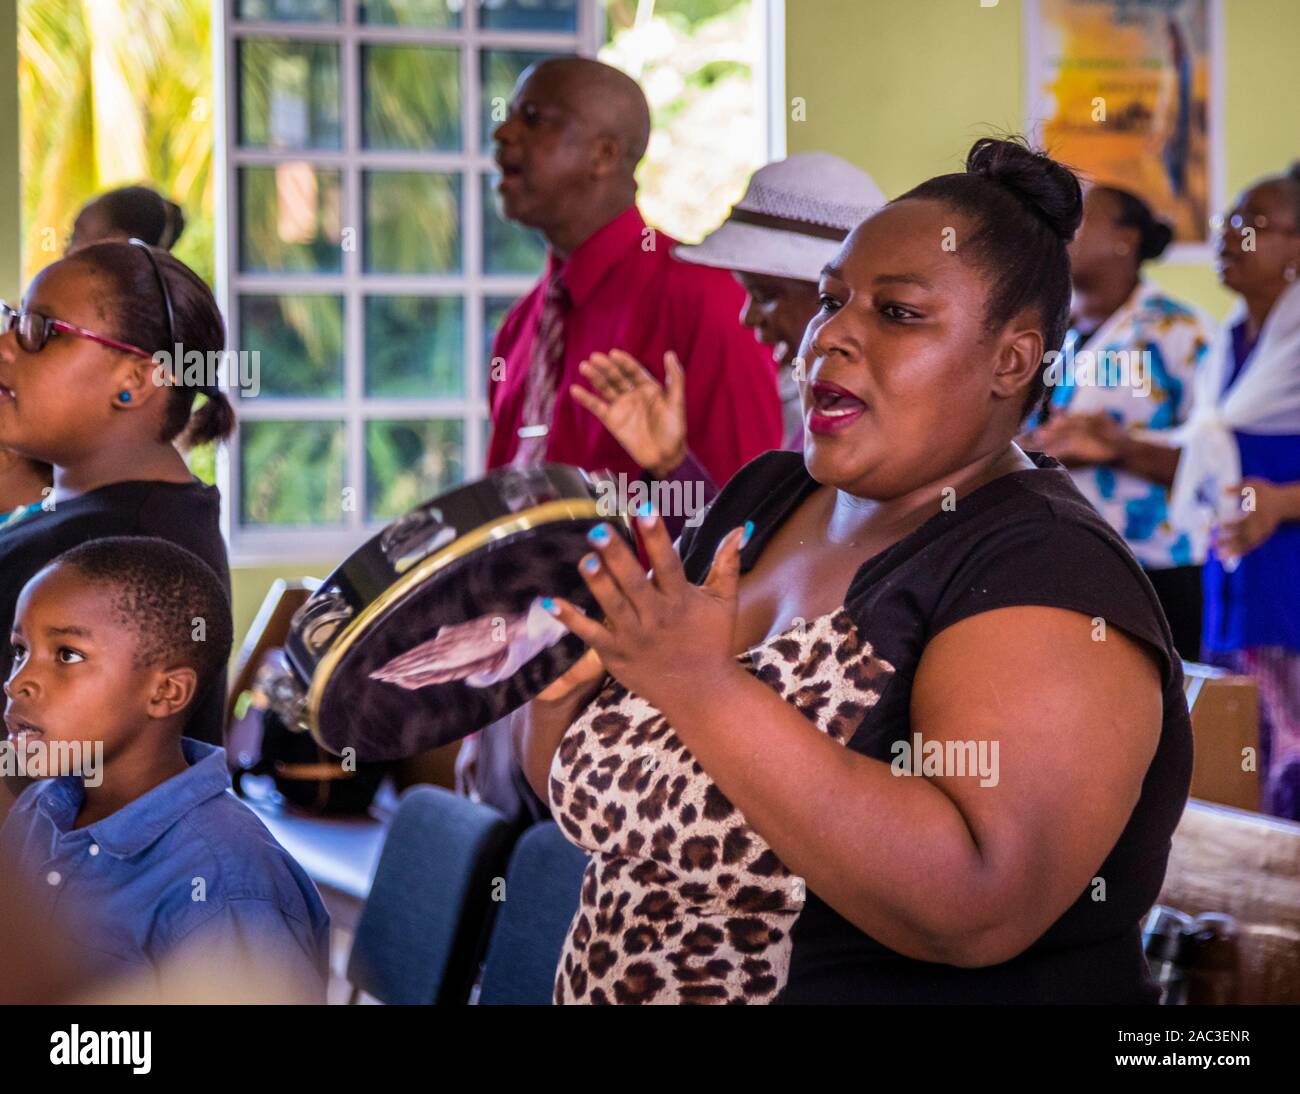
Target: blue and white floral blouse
(1140, 372)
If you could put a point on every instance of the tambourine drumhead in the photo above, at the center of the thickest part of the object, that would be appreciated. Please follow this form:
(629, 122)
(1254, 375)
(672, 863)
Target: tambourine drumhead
(458, 639)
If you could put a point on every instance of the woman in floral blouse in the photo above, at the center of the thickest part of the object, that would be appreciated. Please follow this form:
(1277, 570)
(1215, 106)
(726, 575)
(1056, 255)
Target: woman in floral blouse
(1127, 366)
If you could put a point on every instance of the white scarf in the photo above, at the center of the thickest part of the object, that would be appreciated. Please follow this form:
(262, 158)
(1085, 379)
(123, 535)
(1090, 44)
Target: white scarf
(1265, 398)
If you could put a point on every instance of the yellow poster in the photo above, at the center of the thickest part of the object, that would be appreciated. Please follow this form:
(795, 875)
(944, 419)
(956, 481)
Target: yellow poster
(1123, 91)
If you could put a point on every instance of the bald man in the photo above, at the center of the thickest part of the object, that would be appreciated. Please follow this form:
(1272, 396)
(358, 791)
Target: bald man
(568, 150)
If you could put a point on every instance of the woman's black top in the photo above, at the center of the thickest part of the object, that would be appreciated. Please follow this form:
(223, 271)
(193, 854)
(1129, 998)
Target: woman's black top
(187, 514)
(1027, 538)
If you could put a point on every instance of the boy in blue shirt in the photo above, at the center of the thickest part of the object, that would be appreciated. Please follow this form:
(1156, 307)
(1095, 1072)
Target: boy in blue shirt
(146, 856)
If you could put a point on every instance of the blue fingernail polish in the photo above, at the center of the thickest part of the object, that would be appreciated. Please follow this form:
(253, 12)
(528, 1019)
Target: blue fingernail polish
(548, 604)
(645, 509)
(599, 535)
(591, 564)
(749, 531)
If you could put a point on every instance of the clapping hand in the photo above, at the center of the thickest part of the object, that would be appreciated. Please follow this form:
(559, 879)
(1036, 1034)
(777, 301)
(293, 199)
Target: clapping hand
(1258, 515)
(661, 637)
(1080, 440)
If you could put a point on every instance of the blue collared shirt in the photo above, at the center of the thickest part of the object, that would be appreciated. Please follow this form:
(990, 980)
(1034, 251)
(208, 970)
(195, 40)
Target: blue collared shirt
(186, 867)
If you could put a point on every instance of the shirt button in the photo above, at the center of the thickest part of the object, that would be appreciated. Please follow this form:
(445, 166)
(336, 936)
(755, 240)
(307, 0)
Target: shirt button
(54, 877)
(94, 848)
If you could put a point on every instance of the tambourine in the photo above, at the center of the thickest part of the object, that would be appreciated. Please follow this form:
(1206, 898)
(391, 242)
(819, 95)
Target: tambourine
(434, 628)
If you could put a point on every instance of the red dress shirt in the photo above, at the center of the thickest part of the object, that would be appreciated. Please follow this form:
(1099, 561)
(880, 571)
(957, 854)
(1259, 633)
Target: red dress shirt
(627, 294)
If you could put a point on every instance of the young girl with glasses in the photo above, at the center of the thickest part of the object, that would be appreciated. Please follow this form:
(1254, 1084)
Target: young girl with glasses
(131, 212)
(81, 391)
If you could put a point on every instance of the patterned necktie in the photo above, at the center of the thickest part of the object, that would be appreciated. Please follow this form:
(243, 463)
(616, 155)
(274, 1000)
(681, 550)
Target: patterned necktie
(543, 376)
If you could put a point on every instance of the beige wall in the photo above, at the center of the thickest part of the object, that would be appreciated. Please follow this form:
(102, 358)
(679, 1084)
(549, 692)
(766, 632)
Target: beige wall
(248, 585)
(903, 89)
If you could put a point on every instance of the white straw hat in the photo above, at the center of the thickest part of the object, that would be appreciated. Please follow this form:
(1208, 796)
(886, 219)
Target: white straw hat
(792, 219)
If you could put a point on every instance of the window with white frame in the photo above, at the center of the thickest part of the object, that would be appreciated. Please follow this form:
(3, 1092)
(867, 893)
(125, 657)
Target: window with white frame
(364, 260)
(362, 256)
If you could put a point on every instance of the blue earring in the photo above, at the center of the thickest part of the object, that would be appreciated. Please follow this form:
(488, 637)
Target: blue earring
(125, 397)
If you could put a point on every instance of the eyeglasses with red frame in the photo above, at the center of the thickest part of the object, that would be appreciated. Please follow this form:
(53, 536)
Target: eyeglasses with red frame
(35, 330)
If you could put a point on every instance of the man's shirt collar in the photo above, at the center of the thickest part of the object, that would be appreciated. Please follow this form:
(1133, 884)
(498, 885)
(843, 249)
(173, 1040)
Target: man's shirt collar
(596, 255)
(136, 826)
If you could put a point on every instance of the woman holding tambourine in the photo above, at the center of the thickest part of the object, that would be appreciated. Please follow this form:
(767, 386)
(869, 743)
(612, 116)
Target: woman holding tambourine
(900, 720)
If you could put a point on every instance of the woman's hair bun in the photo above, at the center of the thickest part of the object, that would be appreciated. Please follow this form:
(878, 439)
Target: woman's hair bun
(1021, 208)
(173, 225)
(1048, 187)
(1154, 234)
(1155, 239)
(142, 212)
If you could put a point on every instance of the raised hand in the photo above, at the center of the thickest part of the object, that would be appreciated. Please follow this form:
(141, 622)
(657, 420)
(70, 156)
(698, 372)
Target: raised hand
(648, 419)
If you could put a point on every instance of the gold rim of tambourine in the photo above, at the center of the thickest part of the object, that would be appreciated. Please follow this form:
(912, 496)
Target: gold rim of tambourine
(546, 513)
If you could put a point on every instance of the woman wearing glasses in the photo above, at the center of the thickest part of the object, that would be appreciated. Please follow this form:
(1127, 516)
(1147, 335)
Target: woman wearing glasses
(130, 212)
(81, 391)
(1244, 455)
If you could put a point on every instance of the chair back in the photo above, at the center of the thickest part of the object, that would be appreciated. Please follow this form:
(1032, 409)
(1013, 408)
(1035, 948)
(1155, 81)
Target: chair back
(542, 886)
(419, 936)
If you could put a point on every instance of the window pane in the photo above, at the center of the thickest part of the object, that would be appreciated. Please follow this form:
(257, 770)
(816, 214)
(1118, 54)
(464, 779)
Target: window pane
(556, 15)
(291, 472)
(290, 218)
(498, 71)
(412, 222)
(415, 345)
(304, 11)
(494, 314)
(299, 340)
(408, 462)
(288, 94)
(412, 97)
(508, 248)
(411, 13)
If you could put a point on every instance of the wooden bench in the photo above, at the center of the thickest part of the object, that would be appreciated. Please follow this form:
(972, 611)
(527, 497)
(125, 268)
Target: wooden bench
(1225, 732)
(1248, 865)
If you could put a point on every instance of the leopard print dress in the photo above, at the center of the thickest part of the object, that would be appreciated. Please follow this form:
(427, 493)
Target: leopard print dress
(682, 901)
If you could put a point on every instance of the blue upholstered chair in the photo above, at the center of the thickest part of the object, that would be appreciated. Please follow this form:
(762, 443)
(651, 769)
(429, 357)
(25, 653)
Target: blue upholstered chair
(421, 930)
(542, 884)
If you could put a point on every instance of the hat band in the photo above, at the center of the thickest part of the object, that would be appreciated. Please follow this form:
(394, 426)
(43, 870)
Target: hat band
(788, 224)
